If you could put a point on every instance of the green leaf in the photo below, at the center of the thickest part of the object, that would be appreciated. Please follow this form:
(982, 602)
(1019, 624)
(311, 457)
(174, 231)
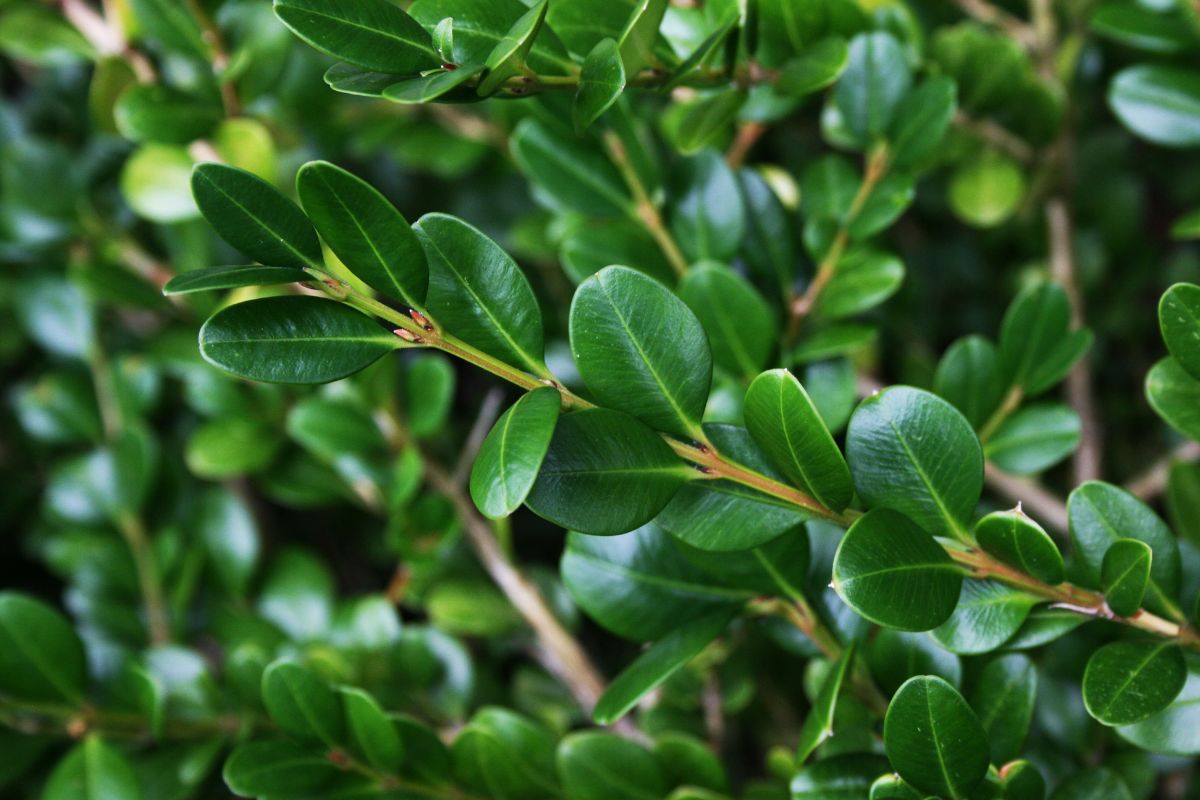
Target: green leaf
(293, 340)
(428, 393)
(638, 586)
(640, 349)
(702, 122)
(1158, 103)
(369, 731)
(1183, 499)
(819, 725)
(1153, 30)
(1037, 346)
(1128, 682)
(1176, 729)
(233, 277)
(895, 574)
(479, 27)
(297, 595)
(365, 231)
(1092, 782)
(688, 761)
(640, 34)
(865, 278)
(171, 24)
(277, 767)
(92, 771)
(605, 473)
(511, 456)
(1179, 318)
(602, 766)
(155, 113)
(968, 377)
(986, 190)
(230, 536)
(987, 616)
(893, 787)
(815, 68)
(913, 452)
(783, 420)
(896, 656)
(707, 216)
(934, 740)
(883, 206)
(507, 58)
(373, 34)
(712, 44)
(254, 217)
(1022, 781)
(834, 391)
(156, 182)
(41, 657)
(502, 754)
(1043, 626)
(1175, 396)
(921, 122)
(595, 244)
(436, 84)
(656, 665)
(301, 704)
(601, 82)
(1004, 696)
(723, 516)
(568, 173)
(1034, 439)
(1124, 575)
(844, 777)
(1100, 514)
(479, 293)
(739, 322)
(333, 427)
(768, 246)
(876, 80)
(230, 447)
(1020, 542)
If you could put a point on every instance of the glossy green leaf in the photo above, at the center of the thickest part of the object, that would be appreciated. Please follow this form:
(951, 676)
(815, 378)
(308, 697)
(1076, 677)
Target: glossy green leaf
(1150, 29)
(1004, 696)
(1022, 781)
(1158, 103)
(895, 656)
(1043, 626)
(987, 616)
(1034, 439)
(512, 454)
(968, 377)
(1179, 318)
(479, 294)
(818, 726)
(605, 473)
(911, 451)
(331, 427)
(41, 657)
(776, 568)
(224, 524)
(882, 207)
(155, 113)
(934, 740)
(93, 770)
(369, 731)
(254, 217)
(293, 340)
(230, 447)
(373, 34)
(704, 53)
(739, 321)
(815, 68)
(601, 82)
(864, 279)
(921, 122)
(895, 574)
(640, 33)
(1176, 729)
(302, 704)
(639, 348)
(1020, 542)
(365, 231)
(503, 754)
(1100, 514)
(703, 122)
(233, 277)
(785, 423)
(707, 216)
(845, 777)
(569, 174)
(876, 80)
(638, 586)
(602, 766)
(768, 245)
(277, 766)
(1037, 346)
(596, 244)
(1128, 682)
(1175, 396)
(657, 664)
(446, 85)
(507, 58)
(1183, 499)
(1125, 574)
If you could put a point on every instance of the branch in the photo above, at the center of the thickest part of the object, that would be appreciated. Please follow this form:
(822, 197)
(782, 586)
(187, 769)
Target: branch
(997, 17)
(1151, 483)
(646, 210)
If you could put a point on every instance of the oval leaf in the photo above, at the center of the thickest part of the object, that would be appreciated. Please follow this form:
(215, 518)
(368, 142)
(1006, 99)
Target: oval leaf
(373, 34)
(1003, 698)
(41, 657)
(739, 322)
(512, 454)
(1175, 396)
(819, 725)
(1124, 575)
(1129, 681)
(601, 82)
(233, 277)
(933, 738)
(302, 704)
(1020, 542)
(987, 616)
(1179, 318)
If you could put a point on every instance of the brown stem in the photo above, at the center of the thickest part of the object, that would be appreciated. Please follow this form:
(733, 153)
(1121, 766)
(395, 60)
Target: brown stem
(1153, 481)
(645, 210)
(1011, 403)
(155, 604)
(748, 135)
(106, 35)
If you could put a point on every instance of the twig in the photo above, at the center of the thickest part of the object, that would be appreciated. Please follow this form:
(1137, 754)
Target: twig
(997, 17)
(106, 35)
(489, 410)
(1153, 481)
(1041, 503)
(645, 208)
(747, 136)
(997, 136)
(220, 58)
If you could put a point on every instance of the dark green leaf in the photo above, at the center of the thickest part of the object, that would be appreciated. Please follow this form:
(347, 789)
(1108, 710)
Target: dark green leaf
(785, 423)
(41, 657)
(503, 754)
(739, 322)
(655, 665)
(171, 24)
(768, 247)
(370, 732)
(302, 704)
(1183, 499)
(640, 349)
(233, 277)
(640, 34)
(601, 82)
(702, 122)
(845, 777)
(254, 217)
(365, 231)
(864, 279)
(987, 615)
(1092, 782)
(1034, 439)
(968, 377)
(93, 770)
(1020, 542)
(1179, 318)
(896, 656)
(934, 740)
(1037, 347)
(480, 27)
(1159, 103)
(435, 84)
(568, 173)
(293, 340)
(895, 574)
(1124, 575)
(1005, 692)
(707, 216)
(814, 69)
(1022, 781)
(1154, 30)
(913, 452)
(601, 766)
(479, 293)
(349, 79)
(512, 454)
(605, 473)
(819, 725)
(883, 206)
(373, 34)
(428, 393)
(1128, 682)
(1043, 626)
(1175, 396)
(154, 113)
(876, 80)
(921, 122)
(277, 767)
(507, 58)
(1176, 729)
